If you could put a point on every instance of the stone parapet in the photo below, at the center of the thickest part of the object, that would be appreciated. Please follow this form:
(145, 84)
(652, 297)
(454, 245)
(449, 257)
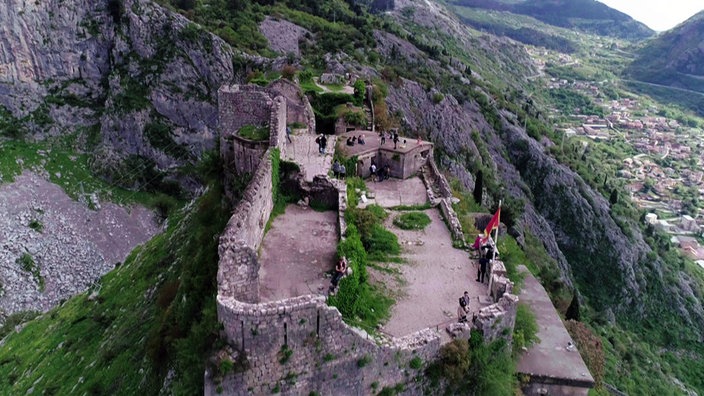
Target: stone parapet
(497, 320)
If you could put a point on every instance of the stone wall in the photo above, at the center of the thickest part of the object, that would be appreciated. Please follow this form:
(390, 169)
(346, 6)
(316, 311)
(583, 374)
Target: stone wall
(298, 109)
(442, 184)
(277, 125)
(302, 345)
(497, 320)
(238, 270)
(440, 193)
(240, 105)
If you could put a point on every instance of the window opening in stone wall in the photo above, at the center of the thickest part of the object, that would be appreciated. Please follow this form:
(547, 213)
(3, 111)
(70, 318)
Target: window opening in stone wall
(317, 324)
(285, 333)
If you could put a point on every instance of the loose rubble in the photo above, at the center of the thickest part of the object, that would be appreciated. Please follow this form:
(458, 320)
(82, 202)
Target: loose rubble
(72, 245)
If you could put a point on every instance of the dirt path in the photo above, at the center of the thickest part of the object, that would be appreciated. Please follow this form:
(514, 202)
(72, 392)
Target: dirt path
(70, 244)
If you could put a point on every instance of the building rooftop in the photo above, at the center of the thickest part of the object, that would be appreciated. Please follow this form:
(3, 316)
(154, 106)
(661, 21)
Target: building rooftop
(373, 143)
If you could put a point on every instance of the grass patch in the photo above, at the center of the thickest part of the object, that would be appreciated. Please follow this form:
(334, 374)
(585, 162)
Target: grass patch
(412, 221)
(67, 169)
(255, 133)
(525, 329)
(424, 206)
(360, 303)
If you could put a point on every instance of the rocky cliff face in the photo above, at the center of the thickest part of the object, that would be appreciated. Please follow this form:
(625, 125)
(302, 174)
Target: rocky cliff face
(137, 82)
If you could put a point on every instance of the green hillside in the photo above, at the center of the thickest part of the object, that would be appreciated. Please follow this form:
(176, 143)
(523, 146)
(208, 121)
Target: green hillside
(153, 314)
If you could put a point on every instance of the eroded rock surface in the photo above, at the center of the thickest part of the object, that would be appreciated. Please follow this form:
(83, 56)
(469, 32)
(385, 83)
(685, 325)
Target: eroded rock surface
(70, 245)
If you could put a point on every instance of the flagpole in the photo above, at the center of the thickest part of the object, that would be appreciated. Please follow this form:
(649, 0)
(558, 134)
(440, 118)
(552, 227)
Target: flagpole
(496, 237)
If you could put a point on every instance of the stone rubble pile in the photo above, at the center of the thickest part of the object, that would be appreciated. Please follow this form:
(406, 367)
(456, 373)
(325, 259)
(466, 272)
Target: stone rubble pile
(70, 245)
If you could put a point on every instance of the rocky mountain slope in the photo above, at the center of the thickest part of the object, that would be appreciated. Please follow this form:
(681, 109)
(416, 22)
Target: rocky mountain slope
(588, 16)
(135, 82)
(674, 58)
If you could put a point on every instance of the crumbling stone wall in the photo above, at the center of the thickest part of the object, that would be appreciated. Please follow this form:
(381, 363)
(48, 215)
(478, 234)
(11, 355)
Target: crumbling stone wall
(433, 179)
(497, 320)
(298, 108)
(238, 270)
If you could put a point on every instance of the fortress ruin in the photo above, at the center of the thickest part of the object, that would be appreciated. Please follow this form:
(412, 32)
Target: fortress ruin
(300, 344)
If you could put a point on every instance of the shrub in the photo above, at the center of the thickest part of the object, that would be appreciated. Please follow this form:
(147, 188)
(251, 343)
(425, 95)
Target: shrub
(412, 221)
(475, 367)
(525, 329)
(36, 225)
(285, 354)
(438, 97)
(288, 72)
(416, 363)
(355, 117)
(255, 133)
(365, 360)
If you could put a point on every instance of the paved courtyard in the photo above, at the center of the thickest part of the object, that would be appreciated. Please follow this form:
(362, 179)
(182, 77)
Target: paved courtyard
(303, 150)
(433, 278)
(296, 253)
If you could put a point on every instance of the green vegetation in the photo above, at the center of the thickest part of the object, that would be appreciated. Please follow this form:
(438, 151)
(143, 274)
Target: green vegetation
(26, 261)
(255, 133)
(571, 102)
(159, 136)
(36, 225)
(71, 171)
(525, 330)
(416, 363)
(474, 367)
(412, 221)
(154, 313)
(361, 303)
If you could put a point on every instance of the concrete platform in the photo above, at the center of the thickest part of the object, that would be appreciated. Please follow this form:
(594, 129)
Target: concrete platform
(296, 253)
(395, 192)
(551, 363)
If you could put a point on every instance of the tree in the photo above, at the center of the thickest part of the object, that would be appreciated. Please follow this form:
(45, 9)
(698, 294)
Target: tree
(573, 310)
(478, 188)
(614, 197)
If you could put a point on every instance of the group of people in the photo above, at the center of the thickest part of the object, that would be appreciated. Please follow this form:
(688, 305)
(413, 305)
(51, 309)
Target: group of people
(487, 252)
(352, 140)
(393, 135)
(377, 174)
(338, 170)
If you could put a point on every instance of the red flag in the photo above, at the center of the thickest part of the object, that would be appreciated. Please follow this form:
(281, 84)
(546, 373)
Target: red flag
(493, 223)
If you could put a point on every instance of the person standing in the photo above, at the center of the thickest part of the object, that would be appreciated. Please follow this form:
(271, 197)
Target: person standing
(481, 271)
(463, 309)
(395, 139)
(372, 171)
(288, 133)
(322, 144)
